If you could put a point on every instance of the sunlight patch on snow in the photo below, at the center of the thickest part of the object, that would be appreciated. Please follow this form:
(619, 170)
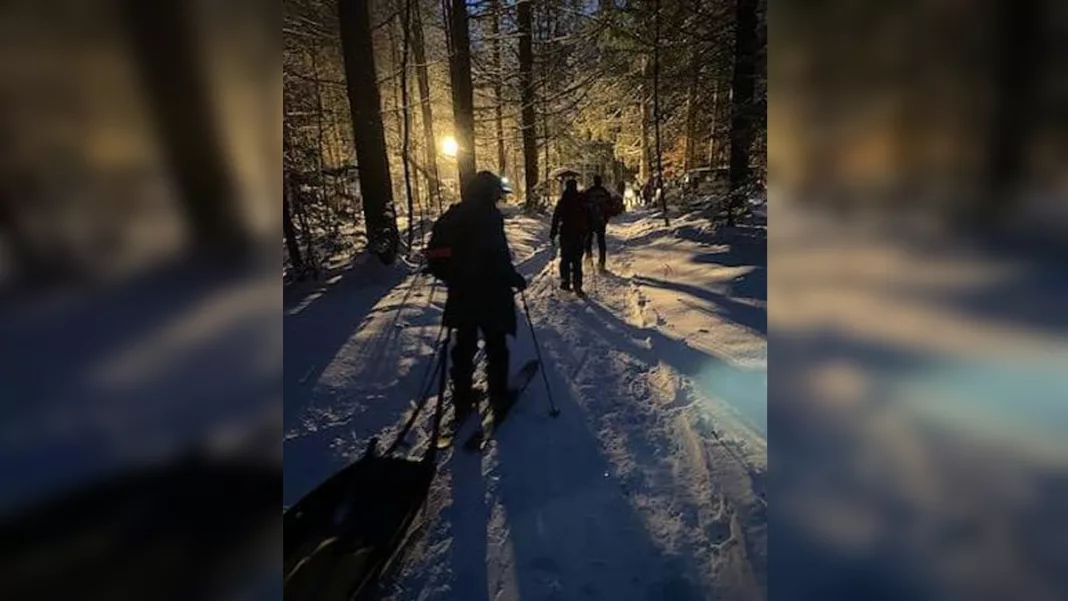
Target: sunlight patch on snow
(303, 304)
(746, 391)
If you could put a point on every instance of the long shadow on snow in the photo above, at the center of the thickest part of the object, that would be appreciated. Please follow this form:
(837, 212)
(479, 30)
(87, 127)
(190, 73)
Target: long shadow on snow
(573, 532)
(315, 334)
(752, 317)
(743, 389)
(535, 263)
(752, 284)
(747, 237)
(468, 518)
(735, 256)
(313, 338)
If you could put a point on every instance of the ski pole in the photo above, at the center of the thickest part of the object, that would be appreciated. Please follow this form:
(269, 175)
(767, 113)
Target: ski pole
(439, 410)
(553, 411)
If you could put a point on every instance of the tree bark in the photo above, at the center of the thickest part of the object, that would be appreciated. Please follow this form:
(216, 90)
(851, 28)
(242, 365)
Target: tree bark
(656, 112)
(320, 178)
(713, 130)
(691, 101)
(289, 232)
(433, 183)
(495, 31)
(742, 105)
(644, 166)
(406, 137)
(463, 104)
(524, 21)
(366, 108)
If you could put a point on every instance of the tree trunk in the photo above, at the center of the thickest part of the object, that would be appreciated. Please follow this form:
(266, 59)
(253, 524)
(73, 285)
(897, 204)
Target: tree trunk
(498, 64)
(545, 150)
(643, 167)
(365, 106)
(463, 104)
(175, 85)
(713, 130)
(433, 183)
(289, 232)
(406, 137)
(691, 102)
(742, 105)
(395, 111)
(524, 22)
(656, 113)
(320, 177)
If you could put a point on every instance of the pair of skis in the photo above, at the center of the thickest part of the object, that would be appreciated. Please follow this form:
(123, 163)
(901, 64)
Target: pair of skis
(476, 434)
(489, 420)
(480, 427)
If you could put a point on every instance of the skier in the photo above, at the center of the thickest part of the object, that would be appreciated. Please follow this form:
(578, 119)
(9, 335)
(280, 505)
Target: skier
(600, 203)
(571, 219)
(469, 251)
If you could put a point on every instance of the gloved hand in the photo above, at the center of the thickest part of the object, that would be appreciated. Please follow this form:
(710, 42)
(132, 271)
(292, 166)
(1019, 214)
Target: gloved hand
(520, 283)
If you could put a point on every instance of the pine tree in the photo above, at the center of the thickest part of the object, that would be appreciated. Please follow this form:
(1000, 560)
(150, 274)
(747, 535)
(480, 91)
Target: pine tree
(368, 133)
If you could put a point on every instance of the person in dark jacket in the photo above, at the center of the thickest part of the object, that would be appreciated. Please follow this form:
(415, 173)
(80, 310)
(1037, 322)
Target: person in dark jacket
(480, 293)
(599, 200)
(571, 220)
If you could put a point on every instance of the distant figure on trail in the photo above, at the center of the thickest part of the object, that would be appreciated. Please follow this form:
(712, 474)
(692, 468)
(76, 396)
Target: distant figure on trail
(647, 192)
(599, 200)
(469, 251)
(571, 220)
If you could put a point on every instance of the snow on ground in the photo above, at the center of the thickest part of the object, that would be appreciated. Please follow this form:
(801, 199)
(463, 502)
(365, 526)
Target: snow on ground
(649, 484)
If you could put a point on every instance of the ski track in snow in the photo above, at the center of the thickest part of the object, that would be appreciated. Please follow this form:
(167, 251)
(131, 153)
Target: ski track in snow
(649, 485)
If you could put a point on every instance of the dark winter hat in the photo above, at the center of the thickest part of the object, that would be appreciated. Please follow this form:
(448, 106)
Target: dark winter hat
(487, 186)
(571, 184)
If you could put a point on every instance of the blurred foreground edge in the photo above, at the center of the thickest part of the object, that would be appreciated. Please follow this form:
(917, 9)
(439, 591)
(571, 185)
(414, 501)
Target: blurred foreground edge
(193, 528)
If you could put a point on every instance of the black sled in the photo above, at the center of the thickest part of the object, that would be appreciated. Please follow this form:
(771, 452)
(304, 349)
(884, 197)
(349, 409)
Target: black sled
(343, 536)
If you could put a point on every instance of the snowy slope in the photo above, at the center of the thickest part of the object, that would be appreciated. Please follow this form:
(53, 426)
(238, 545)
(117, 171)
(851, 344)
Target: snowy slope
(649, 485)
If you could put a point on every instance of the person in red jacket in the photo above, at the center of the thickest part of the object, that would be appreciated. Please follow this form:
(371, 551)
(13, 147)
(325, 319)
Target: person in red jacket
(571, 220)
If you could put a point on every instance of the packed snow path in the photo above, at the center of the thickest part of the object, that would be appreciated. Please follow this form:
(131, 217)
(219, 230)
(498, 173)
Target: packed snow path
(649, 485)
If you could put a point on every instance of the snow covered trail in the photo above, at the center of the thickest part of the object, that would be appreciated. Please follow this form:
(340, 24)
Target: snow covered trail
(649, 485)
